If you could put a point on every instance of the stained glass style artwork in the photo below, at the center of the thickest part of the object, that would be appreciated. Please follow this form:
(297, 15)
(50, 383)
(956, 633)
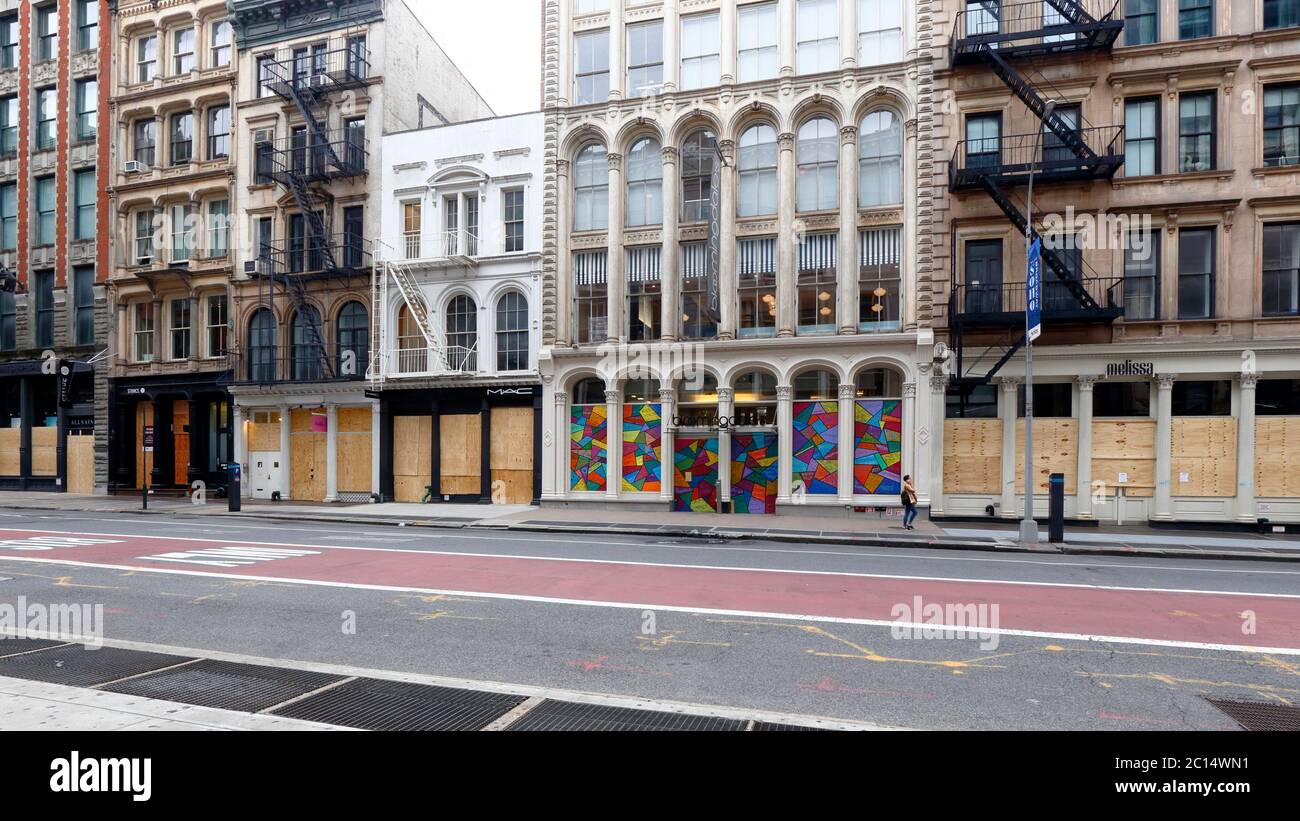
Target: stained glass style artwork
(815, 447)
(642, 436)
(588, 438)
(695, 474)
(877, 447)
(754, 472)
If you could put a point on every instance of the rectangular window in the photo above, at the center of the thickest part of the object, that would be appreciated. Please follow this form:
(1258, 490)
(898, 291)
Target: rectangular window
(701, 51)
(591, 73)
(265, 246)
(645, 59)
(9, 41)
(146, 141)
(412, 222)
(1121, 399)
(514, 220)
(1277, 397)
(1195, 19)
(218, 228)
(1281, 14)
(45, 193)
(880, 279)
(47, 32)
(87, 94)
(983, 284)
(83, 227)
(880, 32)
(8, 126)
(1282, 269)
(817, 283)
(8, 321)
(757, 52)
(83, 304)
(218, 132)
(217, 325)
(698, 322)
(180, 329)
(1052, 400)
(1142, 276)
(87, 24)
(1141, 22)
(1202, 398)
(183, 51)
(1142, 137)
(818, 28)
(265, 74)
(47, 118)
(354, 226)
(44, 308)
(143, 332)
(971, 402)
(1282, 124)
(756, 281)
(1196, 252)
(591, 307)
(182, 236)
(146, 58)
(591, 6)
(983, 140)
(644, 293)
(144, 243)
(1196, 113)
(182, 138)
(8, 216)
(220, 46)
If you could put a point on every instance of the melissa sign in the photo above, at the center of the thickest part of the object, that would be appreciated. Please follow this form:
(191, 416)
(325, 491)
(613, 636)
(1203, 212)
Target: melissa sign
(1130, 368)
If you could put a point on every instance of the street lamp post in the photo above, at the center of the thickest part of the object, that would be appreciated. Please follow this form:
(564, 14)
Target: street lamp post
(1029, 527)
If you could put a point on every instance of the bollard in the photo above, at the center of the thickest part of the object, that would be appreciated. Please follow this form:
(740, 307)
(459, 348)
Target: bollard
(234, 491)
(1056, 508)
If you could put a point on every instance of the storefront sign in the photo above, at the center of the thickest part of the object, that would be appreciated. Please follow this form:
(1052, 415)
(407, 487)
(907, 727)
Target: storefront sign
(1130, 368)
(510, 392)
(65, 383)
(148, 438)
(80, 423)
(135, 391)
(320, 423)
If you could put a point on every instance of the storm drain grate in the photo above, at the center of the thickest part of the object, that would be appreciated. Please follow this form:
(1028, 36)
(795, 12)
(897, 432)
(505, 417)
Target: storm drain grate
(772, 726)
(564, 715)
(80, 666)
(1260, 716)
(12, 647)
(226, 685)
(376, 704)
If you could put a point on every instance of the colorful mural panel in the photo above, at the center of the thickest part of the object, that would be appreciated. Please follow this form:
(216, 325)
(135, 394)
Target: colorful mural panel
(695, 474)
(754, 472)
(878, 447)
(642, 437)
(588, 439)
(815, 446)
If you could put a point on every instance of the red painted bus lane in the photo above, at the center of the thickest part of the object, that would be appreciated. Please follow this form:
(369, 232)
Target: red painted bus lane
(1162, 615)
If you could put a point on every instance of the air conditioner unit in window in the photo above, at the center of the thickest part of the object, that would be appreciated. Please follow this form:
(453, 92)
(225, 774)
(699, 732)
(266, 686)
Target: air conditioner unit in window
(133, 166)
(263, 135)
(253, 268)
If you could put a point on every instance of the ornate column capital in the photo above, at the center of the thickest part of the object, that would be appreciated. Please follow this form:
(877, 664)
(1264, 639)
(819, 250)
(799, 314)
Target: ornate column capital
(613, 397)
(728, 150)
(561, 398)
(1010, 384)
(1248, 381)
(909, 390)
(1086, 381)
(562, 167)
(726, 394)
(939, 383)
(848, 390)
(666, 396)
(784, 393)
(785, 141)
(615, 161)
(848, 134)
(669, 153)
(1166, 381)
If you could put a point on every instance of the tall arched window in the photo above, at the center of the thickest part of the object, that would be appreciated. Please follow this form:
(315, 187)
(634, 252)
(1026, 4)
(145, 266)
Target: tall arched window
(880, 159)
(352, 340)
(462, 334)
(261, 346)
(591, 189)
(755, 399)
(512, 332)
(816, 386)
(756, 160)
(412, 347)
(308, 345)
(699, 154)
(818, 161)
(644, 183)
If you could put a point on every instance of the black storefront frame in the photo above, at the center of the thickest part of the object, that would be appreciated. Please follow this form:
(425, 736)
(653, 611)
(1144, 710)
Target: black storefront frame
(200, 391)
(27, 372)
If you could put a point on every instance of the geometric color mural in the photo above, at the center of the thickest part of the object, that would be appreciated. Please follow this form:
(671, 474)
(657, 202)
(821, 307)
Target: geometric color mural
(815, 447)
(695, 474)
(642, 435)
(877, 447)
(588, 429)
(753, 472)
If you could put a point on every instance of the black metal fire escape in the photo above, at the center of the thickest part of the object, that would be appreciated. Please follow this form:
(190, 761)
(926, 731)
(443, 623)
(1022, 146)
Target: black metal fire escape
(997, 36)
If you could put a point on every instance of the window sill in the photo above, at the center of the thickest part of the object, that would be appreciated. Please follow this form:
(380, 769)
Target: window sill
(1270, 170)
(1171, 179)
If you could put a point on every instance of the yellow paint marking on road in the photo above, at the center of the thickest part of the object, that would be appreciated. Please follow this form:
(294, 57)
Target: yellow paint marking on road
(64, 581)
(860, 652)
(652, 643)
(447, 614)
(1273, 661)
(1175, 681)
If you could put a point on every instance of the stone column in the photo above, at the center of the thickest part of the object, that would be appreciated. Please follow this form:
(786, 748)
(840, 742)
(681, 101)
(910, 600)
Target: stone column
(847, 271)
(727, 283)
(938, 415)
(848, 392)
(563, 446)
(785, 451)
(786, 29)
(727, 21)
(1083, 505)
(1007, 412)
(285, 461)
(787, 256)
(331, 453)
(667, 401)
(908, 465)
(726, 402)
(672, 48)
(849, 37)
(1246, 511)
(238, 442)
(563, 263)
(614, 265)
(617, 52)
(669, 270)
(613, 442)
(1164, 509)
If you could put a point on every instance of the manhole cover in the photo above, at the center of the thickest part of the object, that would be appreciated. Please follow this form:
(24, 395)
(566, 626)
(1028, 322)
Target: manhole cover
(226, 685)
(12, 647)
(80, 666)
(375, 704)
(1260, 716)
(564, 715)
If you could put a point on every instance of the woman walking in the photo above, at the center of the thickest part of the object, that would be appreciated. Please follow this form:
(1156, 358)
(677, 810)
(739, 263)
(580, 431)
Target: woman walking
(909, 503)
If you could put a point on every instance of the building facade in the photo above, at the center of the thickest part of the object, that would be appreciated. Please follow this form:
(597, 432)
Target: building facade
(54, 80)
(737, 253)
(319, 83)
(172, 172)
(1167, 197)
(458, 276)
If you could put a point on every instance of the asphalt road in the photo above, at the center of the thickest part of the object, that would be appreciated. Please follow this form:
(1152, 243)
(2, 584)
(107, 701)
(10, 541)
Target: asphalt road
(789, 628)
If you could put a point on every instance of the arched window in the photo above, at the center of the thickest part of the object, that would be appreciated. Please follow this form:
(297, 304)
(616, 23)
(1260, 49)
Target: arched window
(644, 183)
(756, 161)
(412, 347)
(591, 189)
(816, 386)
(352, 340)
(755, 399)
(512, 332)
(261, 346)
(640, 391)
(818, 161)
(589, 392)
(308, 345)
(462, 335)
(879, 383)
(699, 154)
(880, 159)
(697, 401)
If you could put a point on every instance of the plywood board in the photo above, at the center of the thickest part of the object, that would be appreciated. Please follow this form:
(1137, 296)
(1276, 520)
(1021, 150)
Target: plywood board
(512, 487)
(512, 439)
(45, 457)
(354, 420)
(144, 461)
(263, 437)
(81, 464)
(1125, 446)
(1204, 454)
(460, 447)
(354, 463)
(1056, 450)
(300, 420)
(10, 451)
(1277, 457)
(972, 456)
(181, 438)
(410, 488)
(307, 460)
(412, 457)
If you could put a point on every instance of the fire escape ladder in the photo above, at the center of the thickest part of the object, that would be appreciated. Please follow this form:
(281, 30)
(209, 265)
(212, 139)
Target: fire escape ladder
(1068, 135)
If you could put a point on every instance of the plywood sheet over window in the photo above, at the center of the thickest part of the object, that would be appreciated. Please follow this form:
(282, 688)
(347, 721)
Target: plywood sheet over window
(412, 457)
(354, 457)
(181, 441)
(1277, 457)
(972, 456)
(1125, 448)
(1056, 450)
(45, 456)
(307, 457)
(144, 461)
(264, 437)
(10, 455)
(512, 456)
(1204, 456)
(81, 464)
(460, 445)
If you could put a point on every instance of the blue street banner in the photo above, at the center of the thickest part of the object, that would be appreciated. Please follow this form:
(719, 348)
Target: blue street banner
(1034, 288)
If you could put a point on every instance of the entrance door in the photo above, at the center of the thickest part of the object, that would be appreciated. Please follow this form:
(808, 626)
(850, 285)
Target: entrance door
(754, 472)
(307, 457)
(984, 276)
(143, 461)
(264, 471)
(460, 444)
(181, 440)
(512, 456)
(695, 474)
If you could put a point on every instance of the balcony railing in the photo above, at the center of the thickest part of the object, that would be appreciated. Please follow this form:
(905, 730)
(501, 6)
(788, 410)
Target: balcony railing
(274, 364)
(350, 253)
(419, 360)
(1003, 303)
(1009, 160)
(1034, 27)
(341, 64)
(343, 153)
(442, 246)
